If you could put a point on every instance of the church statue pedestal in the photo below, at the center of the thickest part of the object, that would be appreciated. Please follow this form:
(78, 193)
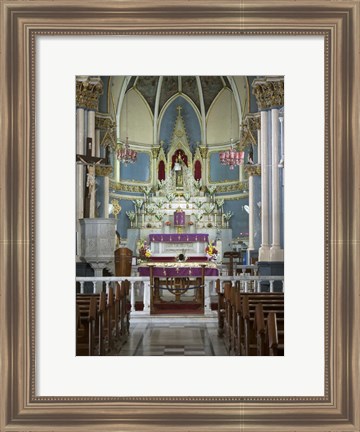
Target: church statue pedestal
(98, 244)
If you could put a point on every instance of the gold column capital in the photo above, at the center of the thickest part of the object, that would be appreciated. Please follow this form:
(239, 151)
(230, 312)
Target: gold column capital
(253, 170)
(88, 91)
(203, 152)
(269, 92)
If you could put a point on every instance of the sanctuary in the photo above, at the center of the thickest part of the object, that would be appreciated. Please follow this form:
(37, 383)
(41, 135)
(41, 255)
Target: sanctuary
(179, 201)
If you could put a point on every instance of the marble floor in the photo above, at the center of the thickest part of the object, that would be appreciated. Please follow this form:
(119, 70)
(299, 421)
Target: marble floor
(173, 336)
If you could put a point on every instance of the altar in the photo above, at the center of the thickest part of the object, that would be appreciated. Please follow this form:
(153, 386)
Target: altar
(183, 281)
(174, 244)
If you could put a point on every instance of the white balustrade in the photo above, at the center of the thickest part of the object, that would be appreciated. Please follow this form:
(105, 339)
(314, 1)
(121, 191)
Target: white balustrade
(246, 282)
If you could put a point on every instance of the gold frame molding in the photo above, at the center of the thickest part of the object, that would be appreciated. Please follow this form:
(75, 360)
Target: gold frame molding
(338, 22)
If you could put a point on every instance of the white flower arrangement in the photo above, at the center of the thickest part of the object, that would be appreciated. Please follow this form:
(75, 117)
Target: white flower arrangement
(170, 197)
(220, 202)
(150, 209)
(208, 209)
(211, 189)
(159, 203)
(198, 216)
(198, 203)
(187, 197)
(138, 203)
(197, 184)
(147, 190)
(159, 216)
(228, 215)
(131, 215)
(161, 184)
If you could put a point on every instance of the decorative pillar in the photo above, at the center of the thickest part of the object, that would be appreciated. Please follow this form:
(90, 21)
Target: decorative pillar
(259, 146)
(80, 173)
(276, 253)
(269, 93)
(91, 131)
(97, 142)
(264, 251)
(88, 91)
(154, 174)
(252, 171)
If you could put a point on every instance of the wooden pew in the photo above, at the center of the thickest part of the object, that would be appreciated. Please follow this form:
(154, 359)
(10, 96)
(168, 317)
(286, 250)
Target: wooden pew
(85, 328)
(221, 309)
(227, 315)
(247, 337)
(275, 335)
(111, 320)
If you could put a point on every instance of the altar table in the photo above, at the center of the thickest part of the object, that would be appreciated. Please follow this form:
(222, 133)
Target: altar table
(175, 269)
(179, 238)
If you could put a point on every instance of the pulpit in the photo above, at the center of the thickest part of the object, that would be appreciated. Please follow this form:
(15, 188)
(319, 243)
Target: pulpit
(123, 258)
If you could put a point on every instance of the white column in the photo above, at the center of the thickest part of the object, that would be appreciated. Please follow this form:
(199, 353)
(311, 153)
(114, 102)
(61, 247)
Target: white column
(116, 172)
(276, 253)
(106, 196)
(251, 213)
(146, 299)
(91, 130)
(97, 142)
(80, 173)
(281, 120)
(259, 146)
(132, 296)
(91, 134)
(264, 251)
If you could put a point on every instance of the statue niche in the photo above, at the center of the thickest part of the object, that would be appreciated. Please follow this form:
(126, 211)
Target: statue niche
(179, 161)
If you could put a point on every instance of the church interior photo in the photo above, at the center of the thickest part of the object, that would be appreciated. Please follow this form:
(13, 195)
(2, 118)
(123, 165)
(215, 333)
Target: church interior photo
(179, 215)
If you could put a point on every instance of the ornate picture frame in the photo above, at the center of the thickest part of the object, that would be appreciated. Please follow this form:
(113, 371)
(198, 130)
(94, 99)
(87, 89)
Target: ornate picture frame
(338, 22)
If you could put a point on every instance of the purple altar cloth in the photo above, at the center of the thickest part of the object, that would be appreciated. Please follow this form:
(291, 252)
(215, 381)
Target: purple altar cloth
(161, 271)
(179, 238)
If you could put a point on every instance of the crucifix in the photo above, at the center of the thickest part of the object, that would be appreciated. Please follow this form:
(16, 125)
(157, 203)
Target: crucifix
(90, 162)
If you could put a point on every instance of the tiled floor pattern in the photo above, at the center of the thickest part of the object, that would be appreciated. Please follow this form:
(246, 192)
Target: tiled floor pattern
(157, 338)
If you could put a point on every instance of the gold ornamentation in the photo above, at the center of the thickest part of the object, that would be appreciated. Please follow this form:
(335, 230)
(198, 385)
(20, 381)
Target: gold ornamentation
(155, 152)
(103, 170)
(104, 122)
(253, 121)
(235, 187)
(269, 92)
(203, 152)
(246, 139)
(88, 91)
(116, 207)
(125, 187)
(253, 170)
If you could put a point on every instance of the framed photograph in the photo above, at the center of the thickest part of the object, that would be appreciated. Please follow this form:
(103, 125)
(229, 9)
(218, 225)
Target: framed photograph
(44, 386)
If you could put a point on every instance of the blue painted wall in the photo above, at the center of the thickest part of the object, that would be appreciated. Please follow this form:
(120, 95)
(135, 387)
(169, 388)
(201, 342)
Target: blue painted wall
(104, 97)
(219, 173)
(239, 223)
(123, 221)
(139, 171)
(253, 103)
(257, 212)
(191, 121)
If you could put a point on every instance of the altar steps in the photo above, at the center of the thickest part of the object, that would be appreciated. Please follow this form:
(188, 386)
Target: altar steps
(177, 308)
